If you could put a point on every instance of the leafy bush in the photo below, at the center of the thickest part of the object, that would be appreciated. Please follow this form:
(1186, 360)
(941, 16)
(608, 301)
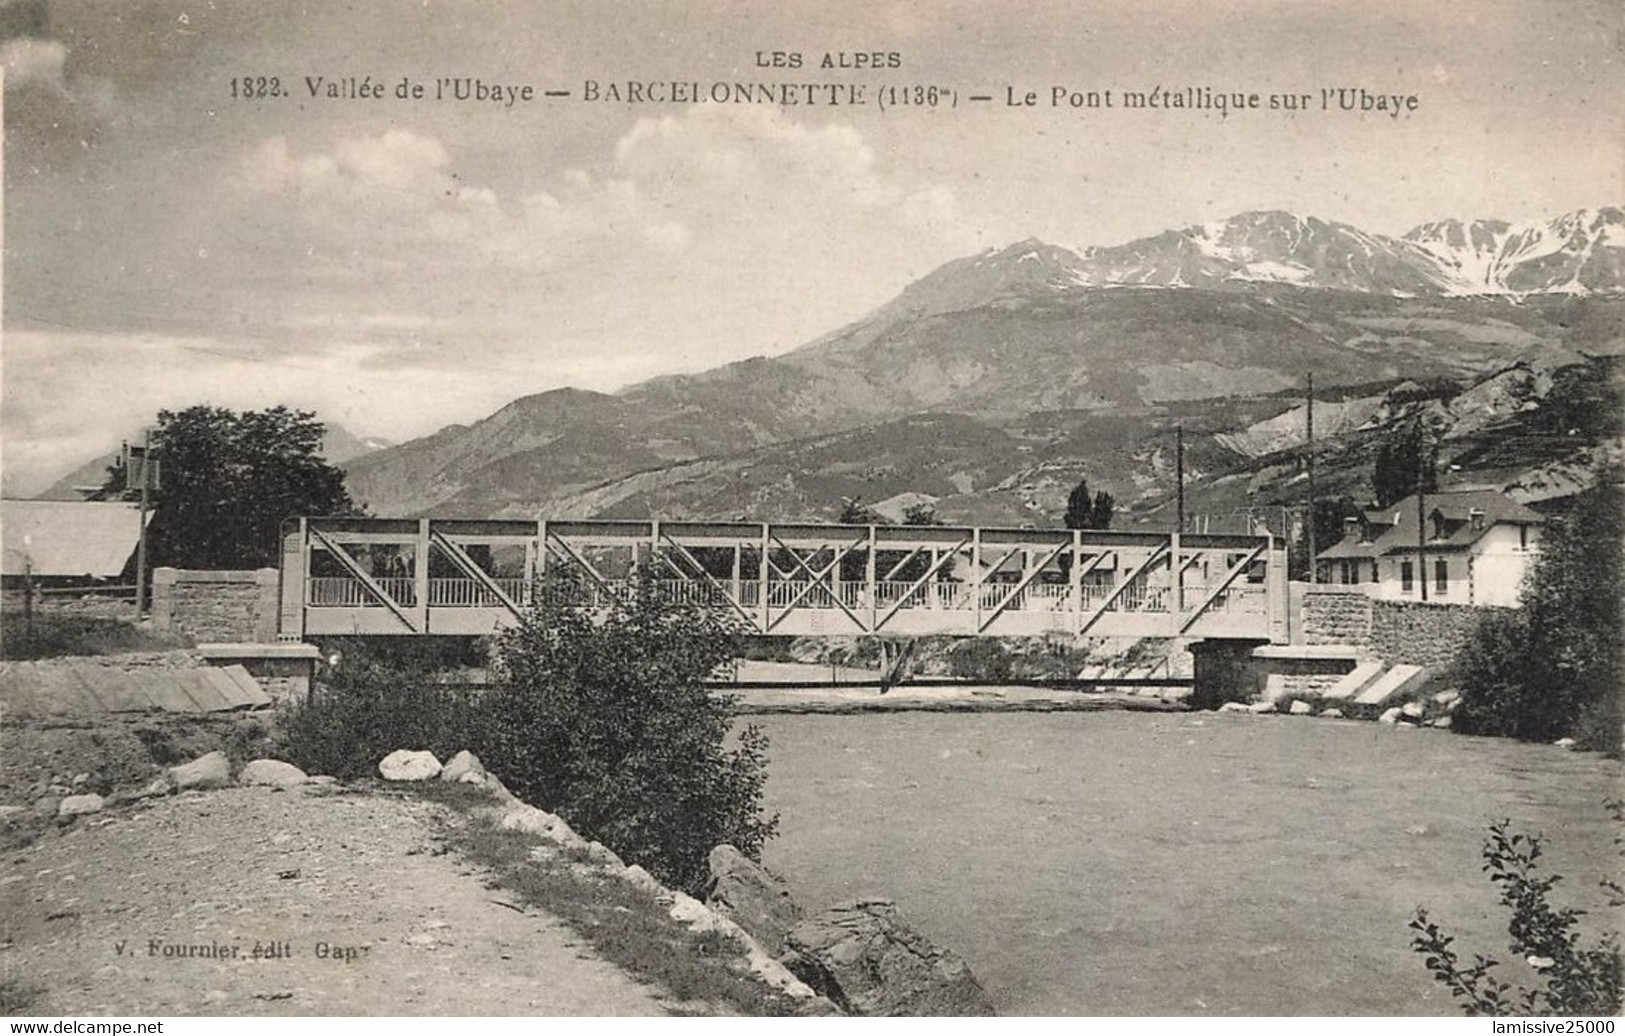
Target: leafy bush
(982, 659)
(378, 698)
(1555, 667)
(1576, 981)
(602, 716)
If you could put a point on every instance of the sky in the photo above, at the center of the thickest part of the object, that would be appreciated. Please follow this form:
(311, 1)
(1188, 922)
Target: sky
(401, 264)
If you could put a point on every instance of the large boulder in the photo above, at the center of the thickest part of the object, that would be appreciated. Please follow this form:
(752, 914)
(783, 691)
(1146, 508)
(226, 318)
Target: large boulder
(206, 771)
(79, 805)
(870, 961)
(755, 898)
(406, 765)
(272, 773)
(464, 766)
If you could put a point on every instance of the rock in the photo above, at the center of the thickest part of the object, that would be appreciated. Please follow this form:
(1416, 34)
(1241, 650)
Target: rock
(158, 787)
(866, 958)
(272, 773)
(1332, 713)
(635, 875)
(1443, 723)
(1233, 706)
(1390, 716)
(81, 779)
(755, 898)
(533, 821)
(461, 765)
(1565, 742)
(1258, 708)
(47, 805)
(322, 780)
(207, 771)
(471, 777)
(79, 805)
(1412, 710)
(1301, 708)
(685, 909)
(406, 765)
(604, 856)
(498, 790)
(10, 813)
(1447, 699)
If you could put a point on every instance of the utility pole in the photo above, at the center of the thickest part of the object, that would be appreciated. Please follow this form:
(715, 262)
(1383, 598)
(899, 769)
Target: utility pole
(1310, 520)
(28, 586)
(1421, 508)
(141, 541)
(1179, 475)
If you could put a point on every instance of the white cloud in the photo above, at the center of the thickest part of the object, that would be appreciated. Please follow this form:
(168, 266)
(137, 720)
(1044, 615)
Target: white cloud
(28, 60)
(367, 281)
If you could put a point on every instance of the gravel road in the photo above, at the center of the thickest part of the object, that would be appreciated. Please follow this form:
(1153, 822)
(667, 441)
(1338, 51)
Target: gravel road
(249, 901)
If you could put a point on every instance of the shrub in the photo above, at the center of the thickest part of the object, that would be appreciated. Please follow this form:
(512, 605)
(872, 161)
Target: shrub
(1555, 667)
(982, 659)
(378, 698)
(602, 716)
(1576, 981)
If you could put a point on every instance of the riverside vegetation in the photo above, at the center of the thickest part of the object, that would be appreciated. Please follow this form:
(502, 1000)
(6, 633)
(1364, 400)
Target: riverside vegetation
(1574, 980)
(603, 718)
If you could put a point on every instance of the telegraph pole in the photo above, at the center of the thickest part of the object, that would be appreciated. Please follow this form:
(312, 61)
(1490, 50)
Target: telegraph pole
(1421, 508)
(1179, 475)
(141, 541)
(1310, 520)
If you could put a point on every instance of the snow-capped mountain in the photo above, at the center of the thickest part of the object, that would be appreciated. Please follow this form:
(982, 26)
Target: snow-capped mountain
(1578, 253)
(1581, 252)
(1267, 246)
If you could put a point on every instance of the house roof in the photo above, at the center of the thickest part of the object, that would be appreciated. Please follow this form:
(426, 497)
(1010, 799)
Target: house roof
(67, 538)
(1396, 525)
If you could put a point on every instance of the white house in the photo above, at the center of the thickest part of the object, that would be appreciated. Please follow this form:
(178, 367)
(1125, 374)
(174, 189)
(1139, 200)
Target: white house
(1476, 547)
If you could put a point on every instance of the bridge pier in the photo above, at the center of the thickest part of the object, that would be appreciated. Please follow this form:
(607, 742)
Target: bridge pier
(1225, 670)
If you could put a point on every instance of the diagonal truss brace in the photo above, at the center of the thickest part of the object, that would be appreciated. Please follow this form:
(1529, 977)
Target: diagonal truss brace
(361, 576)
(936, 566)
(564, 549)
(1224, 584)
(817, 580)
(1117, 591)
(460, 558)
(721, 590)
(1026, 580)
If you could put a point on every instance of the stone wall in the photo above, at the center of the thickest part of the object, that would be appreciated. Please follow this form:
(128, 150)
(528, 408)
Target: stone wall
(1337, 617)
(1393, 631)
(218, 606)
(1422, 634)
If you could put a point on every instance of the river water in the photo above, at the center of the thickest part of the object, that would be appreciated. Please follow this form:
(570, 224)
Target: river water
(1122, 863)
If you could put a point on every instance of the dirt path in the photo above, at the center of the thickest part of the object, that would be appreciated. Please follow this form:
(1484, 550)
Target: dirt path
(354, 906)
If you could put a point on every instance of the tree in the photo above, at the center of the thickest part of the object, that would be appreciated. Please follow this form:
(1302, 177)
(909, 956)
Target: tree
(602, 716)
(920, 514)
(1088, 512)
(1403, 461)
(229, 480)
(1555, 666)
(1330, 517)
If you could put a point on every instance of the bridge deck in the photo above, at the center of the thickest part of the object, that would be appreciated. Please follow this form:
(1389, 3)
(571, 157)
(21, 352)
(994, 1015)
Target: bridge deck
(343, 576)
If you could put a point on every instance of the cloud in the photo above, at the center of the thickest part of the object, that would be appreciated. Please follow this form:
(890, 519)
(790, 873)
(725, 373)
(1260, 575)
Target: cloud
(30, 61)
(692, 221)
(370, 278)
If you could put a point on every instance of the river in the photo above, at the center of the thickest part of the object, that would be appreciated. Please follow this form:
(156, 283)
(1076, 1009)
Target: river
(1122, 863)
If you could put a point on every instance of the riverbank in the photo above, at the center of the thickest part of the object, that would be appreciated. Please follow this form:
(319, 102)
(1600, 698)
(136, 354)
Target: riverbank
(311, 901)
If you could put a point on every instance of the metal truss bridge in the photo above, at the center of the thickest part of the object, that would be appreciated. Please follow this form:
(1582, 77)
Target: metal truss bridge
(386, 576)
